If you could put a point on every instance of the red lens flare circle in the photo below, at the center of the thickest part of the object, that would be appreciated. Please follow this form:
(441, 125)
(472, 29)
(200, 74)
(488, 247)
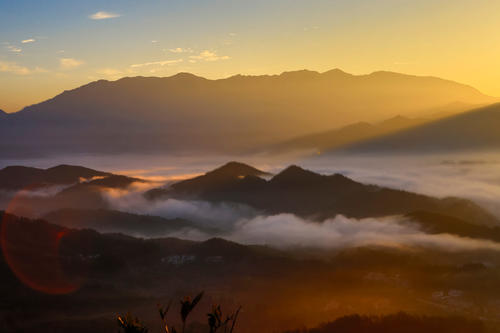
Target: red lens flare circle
(32, 251)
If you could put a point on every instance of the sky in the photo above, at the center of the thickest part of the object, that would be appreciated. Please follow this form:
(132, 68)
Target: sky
(50, 46)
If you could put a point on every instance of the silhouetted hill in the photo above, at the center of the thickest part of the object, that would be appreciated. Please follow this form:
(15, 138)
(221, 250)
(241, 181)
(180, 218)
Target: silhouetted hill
(38, 236)
(32, 191)
(2, 113)
(396, 323)
(222, 177)
(439, 223)
(18, 177)
(473, 130)
(308, 194)
(186, 112)
(296, 176)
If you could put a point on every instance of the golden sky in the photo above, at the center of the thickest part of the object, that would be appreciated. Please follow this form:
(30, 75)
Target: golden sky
(50, 46)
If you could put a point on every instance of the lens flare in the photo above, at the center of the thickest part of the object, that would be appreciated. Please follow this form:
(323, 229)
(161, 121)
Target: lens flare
(34, 256)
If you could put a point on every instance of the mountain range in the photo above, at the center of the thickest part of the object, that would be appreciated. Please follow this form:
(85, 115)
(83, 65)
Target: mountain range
(312, 195)
(67, 196)
(186, 112)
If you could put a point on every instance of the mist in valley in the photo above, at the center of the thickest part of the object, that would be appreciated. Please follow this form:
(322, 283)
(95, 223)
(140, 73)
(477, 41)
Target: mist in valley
(475, 176)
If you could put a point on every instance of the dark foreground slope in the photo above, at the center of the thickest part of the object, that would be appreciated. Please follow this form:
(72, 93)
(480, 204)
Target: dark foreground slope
(89, 277)
(111, 221)
(397, 323)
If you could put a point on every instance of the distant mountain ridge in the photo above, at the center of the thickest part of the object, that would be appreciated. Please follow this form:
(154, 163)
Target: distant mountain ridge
(475, 130)
(187, 112)
(347, 135)
(18, 177)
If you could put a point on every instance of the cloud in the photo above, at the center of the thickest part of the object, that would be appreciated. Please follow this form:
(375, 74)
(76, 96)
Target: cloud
(157, 63)
(110, 72)
(209, 56)
(103, 15)
(14, 49)
(403, 63)
(246, 225)
(29, 40)
(213, 215)
(12, 67)
(287, 230)
(471, 176)
(181, 50)
(70, 63)
(311, 28)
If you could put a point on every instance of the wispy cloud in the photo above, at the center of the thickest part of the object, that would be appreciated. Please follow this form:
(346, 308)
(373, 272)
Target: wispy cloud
(209, 56)
(311, 28)
(181, 50)
(70, 63)
(110, 73)
(14, 49)
(402, 63)
(157, 63)
(103, 15)
(12, 67)
(29, 40)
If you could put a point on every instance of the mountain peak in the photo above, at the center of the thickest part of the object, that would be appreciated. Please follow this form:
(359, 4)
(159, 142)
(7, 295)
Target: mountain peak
(336, 72)
(300, 74)
(73, 169)
(2, 113)
(294, 174)
(186, 76)
(387, 74)
(19, 168)
(397, 120)
(236, 169)
(226, 174)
